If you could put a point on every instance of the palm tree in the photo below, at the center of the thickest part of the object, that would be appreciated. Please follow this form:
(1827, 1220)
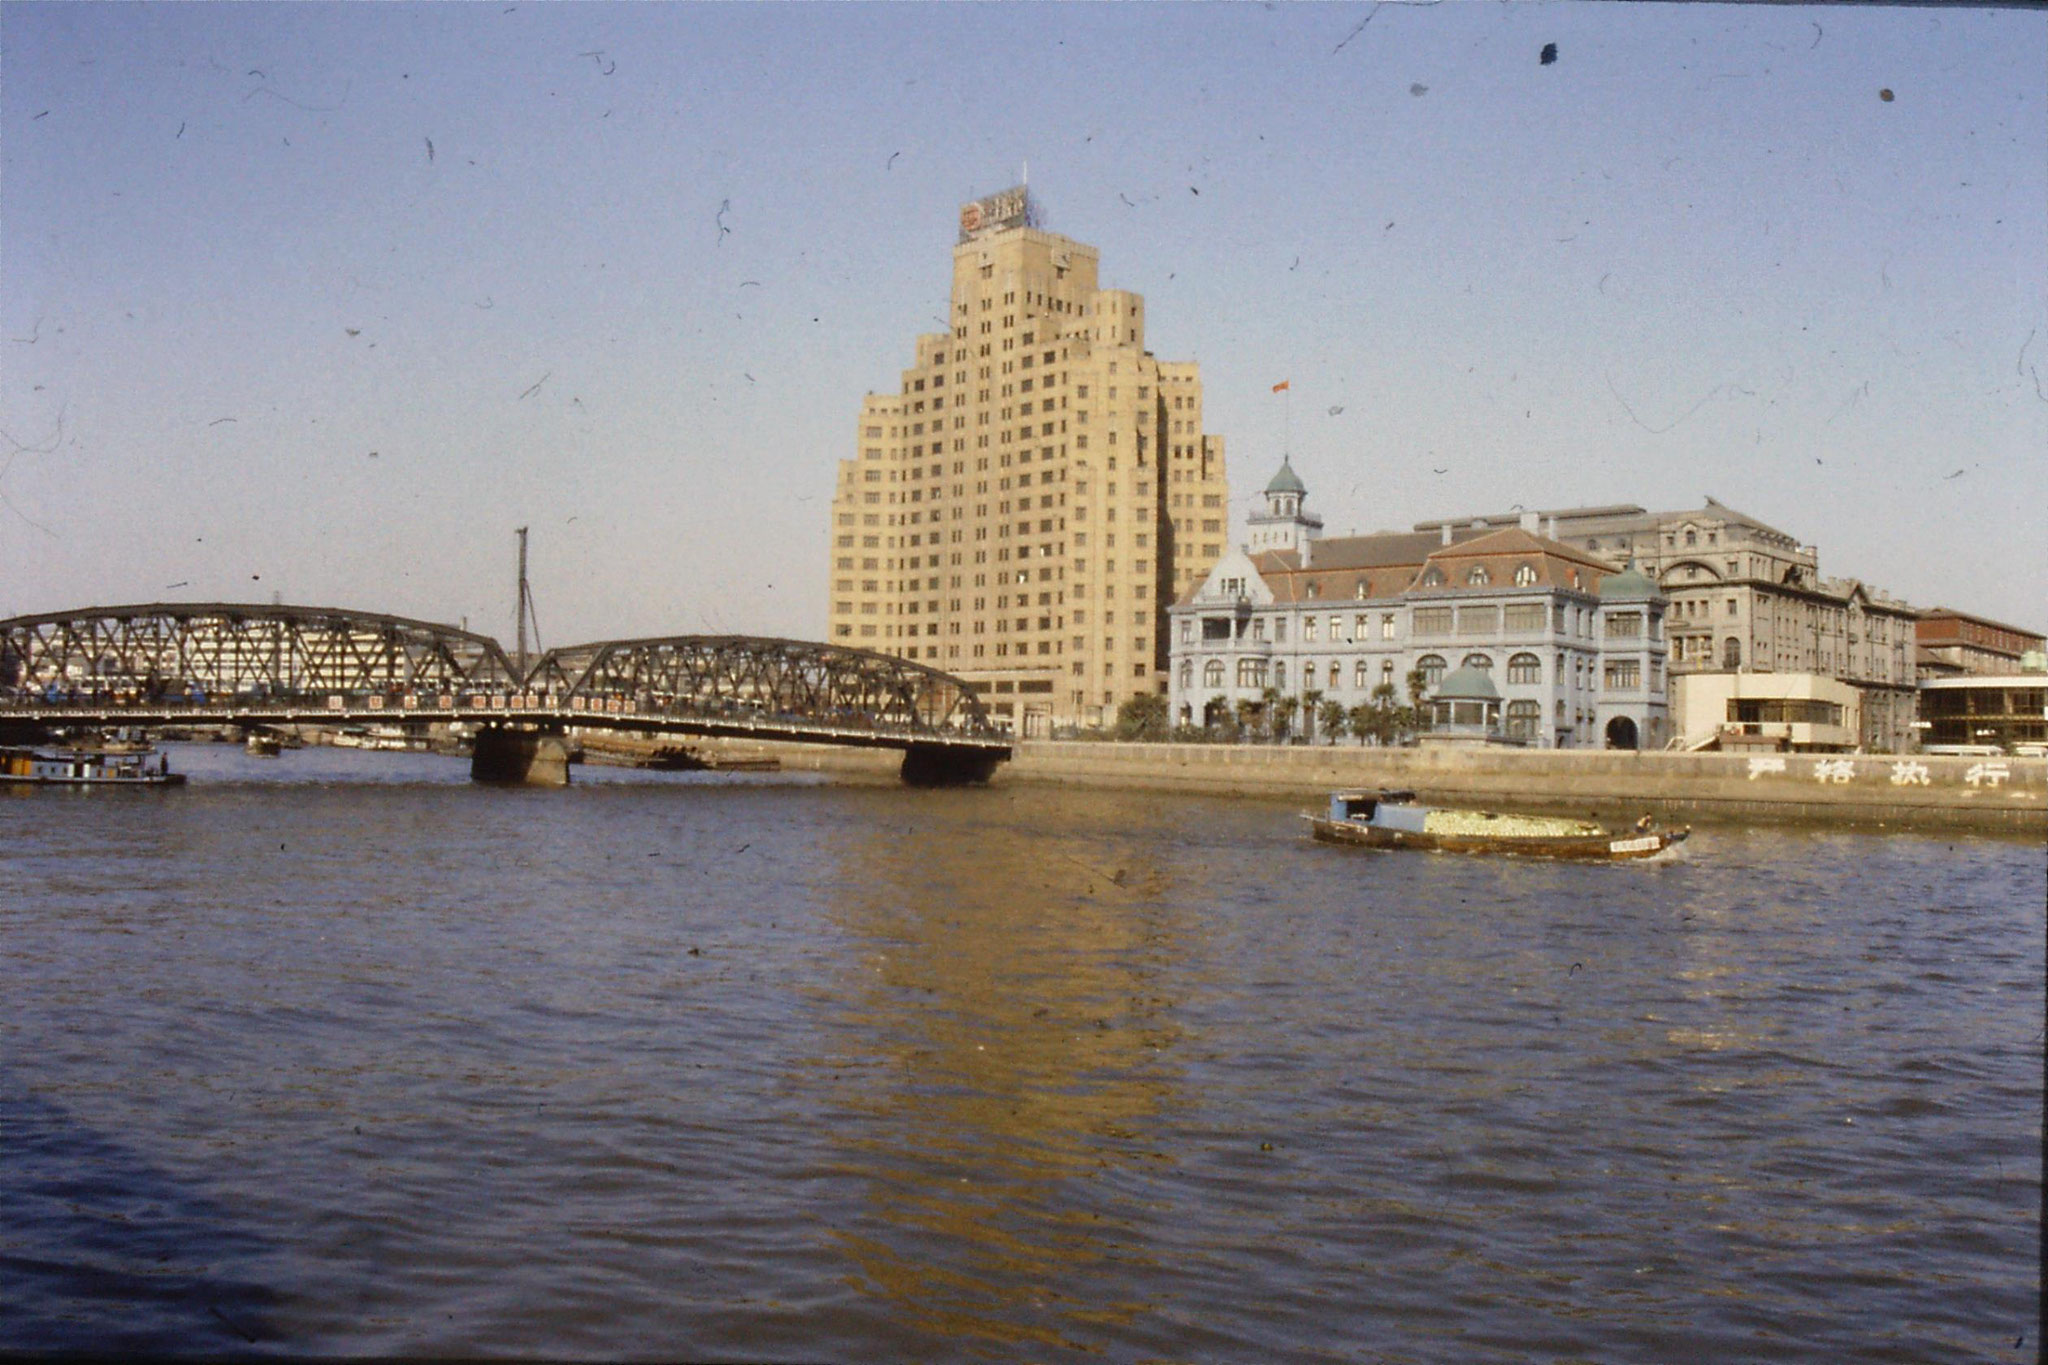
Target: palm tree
(1333, 718)
(1418, 719)
(1310, 710)
(1379, 718)
(1279, 712)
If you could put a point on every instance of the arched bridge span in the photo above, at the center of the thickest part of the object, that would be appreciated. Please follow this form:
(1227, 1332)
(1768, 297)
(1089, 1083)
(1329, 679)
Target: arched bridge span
(185, 663)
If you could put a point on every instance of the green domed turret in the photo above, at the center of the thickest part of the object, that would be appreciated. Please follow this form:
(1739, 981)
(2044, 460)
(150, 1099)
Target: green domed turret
(1286, 481)
(1630, 583)
(1467, 684)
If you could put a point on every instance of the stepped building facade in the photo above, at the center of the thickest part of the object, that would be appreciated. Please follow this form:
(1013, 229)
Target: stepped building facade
(1025, 506)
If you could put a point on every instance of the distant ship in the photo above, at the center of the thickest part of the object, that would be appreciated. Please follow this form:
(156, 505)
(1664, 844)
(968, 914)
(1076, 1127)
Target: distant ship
(85, 768)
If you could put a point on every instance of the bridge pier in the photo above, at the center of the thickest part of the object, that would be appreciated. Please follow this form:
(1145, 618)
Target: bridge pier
(529, 758)
(935, 765)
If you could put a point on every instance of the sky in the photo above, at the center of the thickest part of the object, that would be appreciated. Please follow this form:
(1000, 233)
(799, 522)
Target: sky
(319, 303)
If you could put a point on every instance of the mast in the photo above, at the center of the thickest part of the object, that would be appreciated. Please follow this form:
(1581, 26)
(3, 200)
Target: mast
(525, 604)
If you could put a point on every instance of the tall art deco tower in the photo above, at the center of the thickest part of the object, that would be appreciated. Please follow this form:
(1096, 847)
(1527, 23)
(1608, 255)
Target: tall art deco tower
(1039, 490)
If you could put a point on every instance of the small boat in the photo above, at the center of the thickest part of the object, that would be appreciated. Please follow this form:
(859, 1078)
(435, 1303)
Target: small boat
(1393, 819)
(264, 746)
(83, 768)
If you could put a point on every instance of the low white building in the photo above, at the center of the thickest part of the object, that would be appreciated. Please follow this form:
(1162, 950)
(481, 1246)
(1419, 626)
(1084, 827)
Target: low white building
(1574, 645)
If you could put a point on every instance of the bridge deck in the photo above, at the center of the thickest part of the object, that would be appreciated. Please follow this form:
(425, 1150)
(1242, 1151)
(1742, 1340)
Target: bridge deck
(754, 727)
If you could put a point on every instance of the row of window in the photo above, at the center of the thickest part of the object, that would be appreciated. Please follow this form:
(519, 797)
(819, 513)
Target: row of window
(1478, 576)
(1517, 618)
(1618, 675)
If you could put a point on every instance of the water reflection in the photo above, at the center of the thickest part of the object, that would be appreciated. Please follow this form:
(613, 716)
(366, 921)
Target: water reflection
(1018, 1042)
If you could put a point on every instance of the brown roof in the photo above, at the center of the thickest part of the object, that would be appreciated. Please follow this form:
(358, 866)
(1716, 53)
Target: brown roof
(1382, 550)
(1363, 567)
(1934, 615)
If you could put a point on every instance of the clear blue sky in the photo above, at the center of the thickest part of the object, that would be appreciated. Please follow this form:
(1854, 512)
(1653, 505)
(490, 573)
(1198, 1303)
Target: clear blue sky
(259, 338)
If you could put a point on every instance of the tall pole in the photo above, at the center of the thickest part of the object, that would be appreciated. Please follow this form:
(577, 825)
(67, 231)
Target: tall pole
(521, 609)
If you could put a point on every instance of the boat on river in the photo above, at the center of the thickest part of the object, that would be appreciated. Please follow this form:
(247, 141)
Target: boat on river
(85, 768)
(1394, 819)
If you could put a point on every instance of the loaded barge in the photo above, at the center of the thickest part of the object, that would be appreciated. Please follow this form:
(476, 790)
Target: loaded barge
(1393, 819)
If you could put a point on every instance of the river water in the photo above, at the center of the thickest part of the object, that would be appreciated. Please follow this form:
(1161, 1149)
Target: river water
(338, 1053)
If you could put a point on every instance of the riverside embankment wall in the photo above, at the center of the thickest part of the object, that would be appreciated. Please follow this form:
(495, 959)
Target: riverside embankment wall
(2008, 794)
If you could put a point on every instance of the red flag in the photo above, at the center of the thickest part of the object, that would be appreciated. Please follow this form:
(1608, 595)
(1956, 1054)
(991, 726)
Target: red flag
(1279, 386)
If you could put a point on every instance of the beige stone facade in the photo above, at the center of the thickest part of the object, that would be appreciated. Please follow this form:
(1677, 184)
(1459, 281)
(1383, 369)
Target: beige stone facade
(1024, 508)
(1747, 598)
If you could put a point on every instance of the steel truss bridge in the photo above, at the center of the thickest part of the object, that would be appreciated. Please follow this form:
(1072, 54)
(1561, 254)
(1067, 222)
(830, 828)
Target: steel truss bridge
(256, 666)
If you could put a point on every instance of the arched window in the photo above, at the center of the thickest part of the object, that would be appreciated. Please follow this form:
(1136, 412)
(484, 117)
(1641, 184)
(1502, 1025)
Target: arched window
(1525, 575)
(1522, 719)
(1731, 653)
(1308, 675)
(1279, 674)
(1432, 577)
(1480, 662)
(1525, 668)
(1187, 674)
(1432, 666)
(1478, 577)
(1212, 673)
(1359, 677)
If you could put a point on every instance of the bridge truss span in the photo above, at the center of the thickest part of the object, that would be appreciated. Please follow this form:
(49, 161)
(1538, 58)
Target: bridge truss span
(212, 652)
(252, 666)
(721, 680)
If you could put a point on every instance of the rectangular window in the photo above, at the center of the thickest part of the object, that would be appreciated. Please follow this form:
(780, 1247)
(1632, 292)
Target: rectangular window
(1622, 675)
(1478, 620)
(1525, 618)
(1624, 625)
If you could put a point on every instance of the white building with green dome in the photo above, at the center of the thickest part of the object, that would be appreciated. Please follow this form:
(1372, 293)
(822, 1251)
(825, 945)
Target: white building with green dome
(1556, 648)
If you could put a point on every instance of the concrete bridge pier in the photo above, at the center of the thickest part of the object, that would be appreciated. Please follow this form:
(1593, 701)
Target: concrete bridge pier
(528, 758)
(936, 765)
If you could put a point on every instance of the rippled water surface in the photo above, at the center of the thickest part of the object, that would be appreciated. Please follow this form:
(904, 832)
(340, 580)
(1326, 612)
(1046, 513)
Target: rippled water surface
(340, 1054)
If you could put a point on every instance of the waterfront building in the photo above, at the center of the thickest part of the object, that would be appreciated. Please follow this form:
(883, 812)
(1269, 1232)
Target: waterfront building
(1748, 599)
(1978, 711)
(1021, 510)
(1954, 642)
(1802, 712)
(1572, 646)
